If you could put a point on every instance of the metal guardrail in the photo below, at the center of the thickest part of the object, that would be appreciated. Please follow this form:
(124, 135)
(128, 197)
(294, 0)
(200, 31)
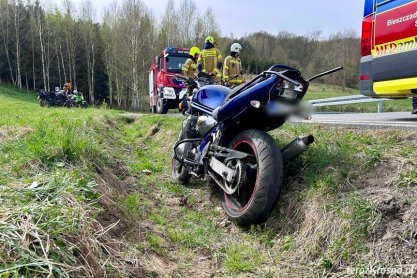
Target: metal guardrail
(347, 100)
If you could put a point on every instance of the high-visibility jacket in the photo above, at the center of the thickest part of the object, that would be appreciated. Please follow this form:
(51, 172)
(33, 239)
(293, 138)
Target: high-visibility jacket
(232, 67)
(209, 59)
(189, 69)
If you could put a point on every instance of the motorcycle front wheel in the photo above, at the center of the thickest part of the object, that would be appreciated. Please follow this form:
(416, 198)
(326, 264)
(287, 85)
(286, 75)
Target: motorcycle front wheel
(254, 200)
(43, 102)
(178, 171)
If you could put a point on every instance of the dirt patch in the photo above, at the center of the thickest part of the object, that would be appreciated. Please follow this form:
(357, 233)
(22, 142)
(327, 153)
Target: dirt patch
(377, 177)
(10, 133)
(129, 118)
(110, 123)
(153, 130)
(393, 239)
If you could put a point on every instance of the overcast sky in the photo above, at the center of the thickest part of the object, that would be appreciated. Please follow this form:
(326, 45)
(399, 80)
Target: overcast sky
(296, 16)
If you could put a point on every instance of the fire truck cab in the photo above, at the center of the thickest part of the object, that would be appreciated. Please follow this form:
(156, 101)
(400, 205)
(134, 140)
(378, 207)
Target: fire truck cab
(165, 92)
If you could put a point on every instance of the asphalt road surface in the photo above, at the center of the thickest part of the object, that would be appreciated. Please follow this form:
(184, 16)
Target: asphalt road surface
(397, 120)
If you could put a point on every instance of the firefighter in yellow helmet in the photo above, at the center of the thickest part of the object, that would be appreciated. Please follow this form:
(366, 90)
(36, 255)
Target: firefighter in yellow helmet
(210, 61)
(232, 69)
(189, 69)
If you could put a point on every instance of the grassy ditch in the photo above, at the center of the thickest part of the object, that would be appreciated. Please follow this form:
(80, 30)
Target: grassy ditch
(88, 193)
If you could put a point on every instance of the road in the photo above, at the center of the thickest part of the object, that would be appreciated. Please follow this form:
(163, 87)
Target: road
(396, 120)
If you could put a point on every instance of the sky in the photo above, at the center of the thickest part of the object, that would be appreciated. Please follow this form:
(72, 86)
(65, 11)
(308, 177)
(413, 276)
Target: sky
(240, 17)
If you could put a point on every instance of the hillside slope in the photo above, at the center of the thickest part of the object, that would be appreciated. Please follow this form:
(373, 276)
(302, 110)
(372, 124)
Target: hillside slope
(88, 193)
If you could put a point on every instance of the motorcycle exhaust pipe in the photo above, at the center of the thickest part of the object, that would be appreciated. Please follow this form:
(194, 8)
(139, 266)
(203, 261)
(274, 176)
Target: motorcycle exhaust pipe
(296, 147)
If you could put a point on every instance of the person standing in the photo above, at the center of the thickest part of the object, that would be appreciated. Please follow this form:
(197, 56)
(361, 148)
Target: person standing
(189, 69)
(232, 70)
(414, 102)
(210, 61)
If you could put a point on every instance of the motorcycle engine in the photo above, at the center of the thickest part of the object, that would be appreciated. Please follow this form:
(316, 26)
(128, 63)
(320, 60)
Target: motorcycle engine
(189, 130)
(204, 124)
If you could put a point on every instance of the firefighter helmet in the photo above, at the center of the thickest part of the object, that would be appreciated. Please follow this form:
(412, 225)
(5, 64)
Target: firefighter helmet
(211, 40)
(236, 47)
(194, 51)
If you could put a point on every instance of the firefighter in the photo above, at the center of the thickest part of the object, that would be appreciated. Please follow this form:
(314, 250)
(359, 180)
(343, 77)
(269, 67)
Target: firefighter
(210, 61)
(190, 67)
(232, 70)
(189, 70)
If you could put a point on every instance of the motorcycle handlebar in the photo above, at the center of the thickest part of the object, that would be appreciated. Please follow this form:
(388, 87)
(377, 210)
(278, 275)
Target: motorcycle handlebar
(324, 73)
(181, 77)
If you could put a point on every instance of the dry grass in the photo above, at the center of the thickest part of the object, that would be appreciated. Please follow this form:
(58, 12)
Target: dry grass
(76, 202)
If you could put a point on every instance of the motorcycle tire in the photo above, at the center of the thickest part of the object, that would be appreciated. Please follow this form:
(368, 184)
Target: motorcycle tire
(43, 102)
(178, 172)
(254, 200)
(69, 104)
(161, 106)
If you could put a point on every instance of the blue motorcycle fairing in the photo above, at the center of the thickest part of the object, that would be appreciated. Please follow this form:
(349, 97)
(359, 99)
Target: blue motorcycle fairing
(207, 137)
(210, 97)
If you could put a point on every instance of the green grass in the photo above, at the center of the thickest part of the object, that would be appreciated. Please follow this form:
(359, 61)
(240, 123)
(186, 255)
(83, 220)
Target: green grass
(48, 159)
(242, 258)
(66, 174)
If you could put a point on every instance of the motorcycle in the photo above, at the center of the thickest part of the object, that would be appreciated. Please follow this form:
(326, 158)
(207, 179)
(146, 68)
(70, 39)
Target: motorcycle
(59, 99)
(77, 100)
(44, 99)
(224, 139)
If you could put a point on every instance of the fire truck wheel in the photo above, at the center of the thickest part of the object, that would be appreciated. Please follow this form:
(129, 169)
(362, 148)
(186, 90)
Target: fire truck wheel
(161, 106)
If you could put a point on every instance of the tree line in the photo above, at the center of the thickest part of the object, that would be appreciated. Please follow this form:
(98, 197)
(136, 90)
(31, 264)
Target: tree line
(45, 47)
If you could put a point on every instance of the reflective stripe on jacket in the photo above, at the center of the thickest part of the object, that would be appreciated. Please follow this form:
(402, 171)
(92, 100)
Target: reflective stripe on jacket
(209, 58)
(232, 67)
(189, 69)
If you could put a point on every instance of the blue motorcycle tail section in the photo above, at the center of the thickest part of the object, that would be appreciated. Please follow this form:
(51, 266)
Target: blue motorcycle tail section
(239, 103)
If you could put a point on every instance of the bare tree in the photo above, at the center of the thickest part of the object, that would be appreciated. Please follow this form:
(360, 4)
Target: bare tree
(5, 28)
(87, 15)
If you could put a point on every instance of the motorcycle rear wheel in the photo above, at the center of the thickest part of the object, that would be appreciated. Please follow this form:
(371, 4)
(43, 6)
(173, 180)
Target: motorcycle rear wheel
(69, 103)
(253, 201)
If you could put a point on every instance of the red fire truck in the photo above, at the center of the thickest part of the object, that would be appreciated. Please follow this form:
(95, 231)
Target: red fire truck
(165, 92)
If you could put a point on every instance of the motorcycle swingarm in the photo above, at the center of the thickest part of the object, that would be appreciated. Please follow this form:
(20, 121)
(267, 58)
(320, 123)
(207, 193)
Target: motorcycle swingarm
(228, 154)
(220, 167)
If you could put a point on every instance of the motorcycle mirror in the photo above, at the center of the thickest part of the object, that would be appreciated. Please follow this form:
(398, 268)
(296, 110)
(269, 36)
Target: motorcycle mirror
(324, 73)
